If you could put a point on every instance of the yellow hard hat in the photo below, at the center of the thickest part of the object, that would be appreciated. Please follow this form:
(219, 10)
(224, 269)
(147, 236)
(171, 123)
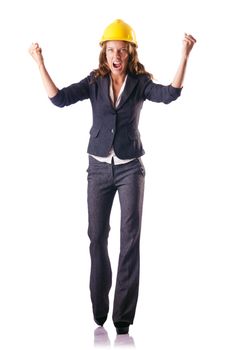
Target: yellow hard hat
(119, 30)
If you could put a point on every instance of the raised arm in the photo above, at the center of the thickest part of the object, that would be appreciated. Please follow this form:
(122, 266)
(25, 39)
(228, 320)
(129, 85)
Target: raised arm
(188, 43)
(50, 87)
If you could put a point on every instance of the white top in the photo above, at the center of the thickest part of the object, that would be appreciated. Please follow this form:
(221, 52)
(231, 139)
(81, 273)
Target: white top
(108, 159)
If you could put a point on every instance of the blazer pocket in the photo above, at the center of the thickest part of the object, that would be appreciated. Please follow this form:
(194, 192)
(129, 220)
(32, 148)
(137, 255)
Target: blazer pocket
(133, 134)
(94, 132)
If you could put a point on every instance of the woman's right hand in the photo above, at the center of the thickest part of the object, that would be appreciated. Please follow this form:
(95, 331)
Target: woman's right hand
(36, 52)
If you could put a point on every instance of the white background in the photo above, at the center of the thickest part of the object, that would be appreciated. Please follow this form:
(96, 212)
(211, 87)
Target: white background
(185, 291)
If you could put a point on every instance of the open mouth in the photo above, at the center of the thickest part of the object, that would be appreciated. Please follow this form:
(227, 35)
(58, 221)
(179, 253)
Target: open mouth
(117, 65)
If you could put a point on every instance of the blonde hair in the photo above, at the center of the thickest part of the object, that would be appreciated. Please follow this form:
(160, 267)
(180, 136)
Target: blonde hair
(134, 66)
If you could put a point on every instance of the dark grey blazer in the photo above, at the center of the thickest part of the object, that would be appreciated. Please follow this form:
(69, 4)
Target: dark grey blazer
(117, 127)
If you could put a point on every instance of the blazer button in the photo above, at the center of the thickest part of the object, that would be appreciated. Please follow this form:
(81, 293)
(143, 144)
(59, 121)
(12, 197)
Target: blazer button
(112, 130)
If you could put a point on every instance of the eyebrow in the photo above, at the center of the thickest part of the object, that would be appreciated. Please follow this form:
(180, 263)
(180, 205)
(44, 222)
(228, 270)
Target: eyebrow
(110, 47)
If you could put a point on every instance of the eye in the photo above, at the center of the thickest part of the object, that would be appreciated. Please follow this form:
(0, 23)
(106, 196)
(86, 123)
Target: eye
(123, 50)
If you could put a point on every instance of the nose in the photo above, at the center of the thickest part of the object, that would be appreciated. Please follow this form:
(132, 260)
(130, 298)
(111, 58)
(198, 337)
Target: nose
(117, 54)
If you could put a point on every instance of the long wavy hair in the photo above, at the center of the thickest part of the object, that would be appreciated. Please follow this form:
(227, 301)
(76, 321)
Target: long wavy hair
(134, 66)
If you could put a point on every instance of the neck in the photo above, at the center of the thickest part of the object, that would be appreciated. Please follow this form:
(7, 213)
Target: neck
(118, 79)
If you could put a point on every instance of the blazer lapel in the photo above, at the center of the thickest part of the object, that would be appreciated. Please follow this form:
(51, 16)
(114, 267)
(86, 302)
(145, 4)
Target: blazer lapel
(129, 87)
(131, 82)
(105, 84)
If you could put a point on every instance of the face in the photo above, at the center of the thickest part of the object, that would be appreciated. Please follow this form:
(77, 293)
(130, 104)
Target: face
(117, 56)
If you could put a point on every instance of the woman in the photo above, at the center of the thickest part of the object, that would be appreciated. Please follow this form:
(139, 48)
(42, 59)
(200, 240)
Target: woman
(117, 90)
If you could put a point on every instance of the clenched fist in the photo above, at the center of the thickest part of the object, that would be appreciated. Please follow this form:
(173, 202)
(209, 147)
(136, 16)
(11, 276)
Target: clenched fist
(188, 43)
(36, 53)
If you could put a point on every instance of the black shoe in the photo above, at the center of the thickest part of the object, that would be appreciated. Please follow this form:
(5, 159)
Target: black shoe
(100, 320)
(122, 327)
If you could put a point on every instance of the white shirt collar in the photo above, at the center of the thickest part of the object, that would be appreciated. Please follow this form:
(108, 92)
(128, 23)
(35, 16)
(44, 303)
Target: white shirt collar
(120, 92)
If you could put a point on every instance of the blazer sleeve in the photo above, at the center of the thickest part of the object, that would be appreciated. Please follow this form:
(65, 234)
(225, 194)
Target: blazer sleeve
(160, 93)
(72, 94)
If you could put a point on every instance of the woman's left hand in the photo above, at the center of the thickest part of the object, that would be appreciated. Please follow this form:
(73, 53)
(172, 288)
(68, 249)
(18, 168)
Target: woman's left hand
(188, 43)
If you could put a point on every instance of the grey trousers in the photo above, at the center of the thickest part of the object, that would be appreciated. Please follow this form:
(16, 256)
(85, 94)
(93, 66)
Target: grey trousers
(104, 180)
